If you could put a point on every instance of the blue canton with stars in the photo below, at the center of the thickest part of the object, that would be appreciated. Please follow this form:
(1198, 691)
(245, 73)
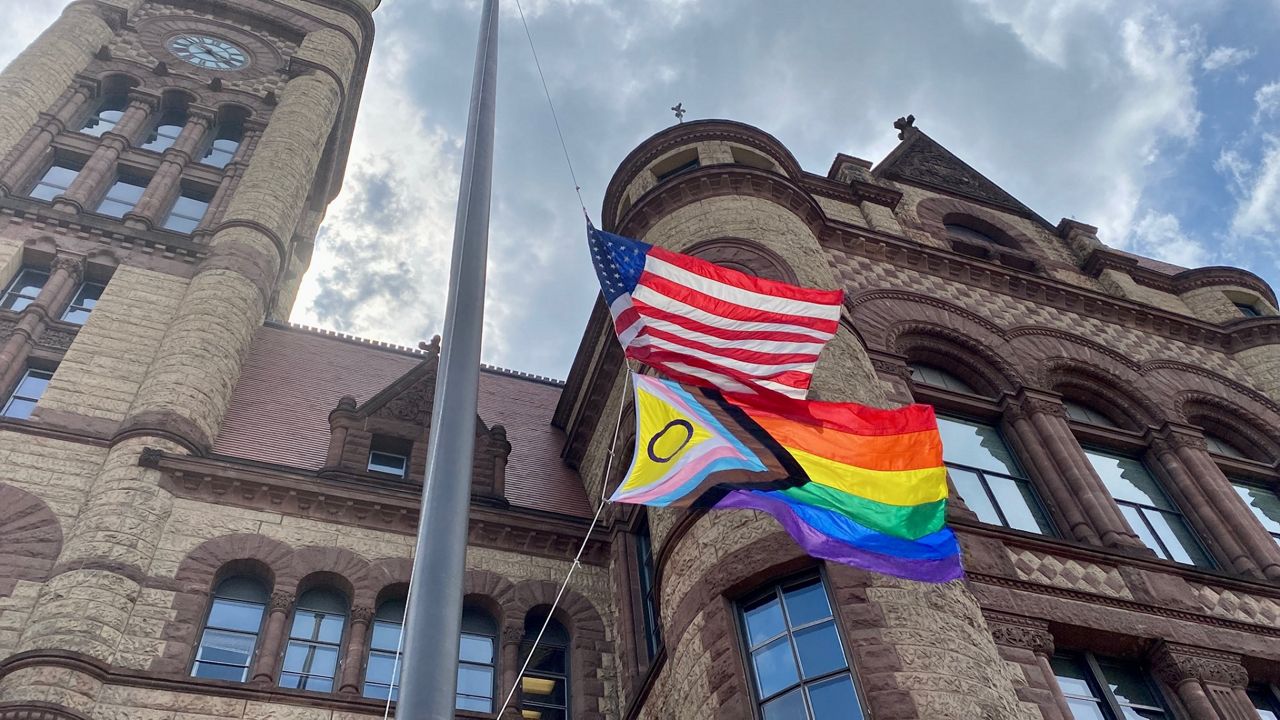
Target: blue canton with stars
(619, 262)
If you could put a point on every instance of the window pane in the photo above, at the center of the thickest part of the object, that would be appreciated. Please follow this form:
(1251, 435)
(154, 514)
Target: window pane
(381, 668)
(475, 680)
(787, 707)
(180, 224)
(387, 463)
(1128, 479)
(33, 384)
(819, 650)
(120, 199)
(1129, 684)
(227, 648)
(476, 649)
(548, 691)
(834, 699)
(220, 672)
(969, 487)
(163, 138)
(295, 657)
(1085, 710)
(1139, 525)
(19, 409)
(234, 615)
(386, 636)
(481, 705)
(1019, 505)
(318, 684)
(548, 660)
(1264, 504)
(1268, 709)
(331, 629)
(55, 181)
(775, 667)
(1072, 677)
(1179, 538)
(975, 445)
(304, 623)
(807, 604)
(101, 122)
(764, 621)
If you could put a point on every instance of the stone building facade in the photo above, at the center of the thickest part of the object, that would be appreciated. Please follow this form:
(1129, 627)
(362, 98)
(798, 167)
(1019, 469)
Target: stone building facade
(206, 512)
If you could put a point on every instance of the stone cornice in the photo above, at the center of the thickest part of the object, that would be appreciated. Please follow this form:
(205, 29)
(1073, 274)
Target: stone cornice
(368, 502)
(153, 242)
(1185, 281)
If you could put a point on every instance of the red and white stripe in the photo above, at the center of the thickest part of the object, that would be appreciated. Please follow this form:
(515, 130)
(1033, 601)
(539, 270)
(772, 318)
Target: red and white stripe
(707, 325)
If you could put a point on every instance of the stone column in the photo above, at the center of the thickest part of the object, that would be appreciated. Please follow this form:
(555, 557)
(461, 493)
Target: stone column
(1198, 507)
(61, 51)
(64, 277)
(1029, 643)
(100, 171)
(1049, 420)
(509, 668)
(354, 651)
(1193, 454)
(20, 170)
(1209, 684)
(1021, 431)
(166, 184)
(273, 638)
(231, 175)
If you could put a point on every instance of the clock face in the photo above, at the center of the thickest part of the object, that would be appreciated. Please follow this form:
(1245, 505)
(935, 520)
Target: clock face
(208, 52)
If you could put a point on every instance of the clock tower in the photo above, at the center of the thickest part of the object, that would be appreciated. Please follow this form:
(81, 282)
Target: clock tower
(164, 168)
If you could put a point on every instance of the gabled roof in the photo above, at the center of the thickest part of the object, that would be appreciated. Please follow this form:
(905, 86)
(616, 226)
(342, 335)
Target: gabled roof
(293, 377)
(921, 160)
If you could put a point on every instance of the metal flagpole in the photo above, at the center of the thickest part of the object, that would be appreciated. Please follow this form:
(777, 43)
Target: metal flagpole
(434, 613)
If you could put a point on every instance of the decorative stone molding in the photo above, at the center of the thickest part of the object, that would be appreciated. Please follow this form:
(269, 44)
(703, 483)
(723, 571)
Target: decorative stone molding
(362, 614)
(281, 601)
(1175, 664)
(1020, 632)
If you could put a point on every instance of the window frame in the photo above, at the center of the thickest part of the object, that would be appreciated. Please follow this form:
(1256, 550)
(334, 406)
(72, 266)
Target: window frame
(496, 653)
(99, 107)
(646, 587)
(124, 176)
(1099, 683)
(567, 676)
(204, 627)
(13, 394)
(776, 588)
(1237, 482)
(11, 291)
(188, 192)
(1247, 309)
(339, 646)
(75, 166)
(77, 303)
(393, 687)
(1270, 693)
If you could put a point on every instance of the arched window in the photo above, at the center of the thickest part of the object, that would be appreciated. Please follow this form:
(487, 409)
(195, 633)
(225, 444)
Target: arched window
(1150, 512)
(107, 116)
(937, 377)
(382, 676)
(798, 664)
(1100, 688)
(231, 633)
(1218, 446)
(477, 661)
(1085, 414)
(227, 136)
(963, 232)
(166, 130)
(645, 567)
(988, 477)
(315, 641)
(544, 689)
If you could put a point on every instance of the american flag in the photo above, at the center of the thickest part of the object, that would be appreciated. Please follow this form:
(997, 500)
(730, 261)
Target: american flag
(703, 324)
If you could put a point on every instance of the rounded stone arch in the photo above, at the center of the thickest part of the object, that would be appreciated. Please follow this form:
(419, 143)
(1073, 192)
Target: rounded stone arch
(877, 312)
(588, 642)
(935, 213)
(1119, 397)
(979, 363)
(745, 256)
(115, 81)
(388, 579)
(346, 570)
(38, 711)
(492, 592)
(1040, 344)
(30, 538)
(1255, 437)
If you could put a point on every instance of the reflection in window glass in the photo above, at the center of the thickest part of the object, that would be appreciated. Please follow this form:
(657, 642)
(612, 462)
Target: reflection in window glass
(798, 665)
(186, 214)
(544, 689)
(477, 661)
(1263, 503)
(23, 289)
(382, 675)
(231, 632)
(121, 198)
(930, 375)
(22, 402)
(54, 182)
(1150, 512)
(315, 641)
(1266, 701)
(85, 301)
(988, 478)
(1106, 689)
(648, 601)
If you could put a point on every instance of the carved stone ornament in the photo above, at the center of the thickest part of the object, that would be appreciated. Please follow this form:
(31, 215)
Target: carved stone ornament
(1036, 406)
(150, 457)
(57, 339)
(1175, 664)
(1012, 631)
(1183, 440)
(74, 266)
(362, 614)
(413, 405)
(512, 635)
(281, 601)
(928, 162)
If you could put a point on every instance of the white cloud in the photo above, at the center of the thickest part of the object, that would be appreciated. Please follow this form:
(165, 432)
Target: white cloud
(22, 22)
(1223, 57)
(1259, 210)
(1267, 101)
(1160, 236)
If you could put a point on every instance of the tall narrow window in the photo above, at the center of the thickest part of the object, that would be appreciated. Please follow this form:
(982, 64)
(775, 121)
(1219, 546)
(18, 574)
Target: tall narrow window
(1148, 509)
(1263, 503)
(544, 689)
(382, 676)
(988, 478)
(230, 634)
(188, 210)
(1266, 701)
(477, 668)
(648, 601)
(166, 131)
(1106, 689)
(798, 665)
(389, 455)
(315, 641)
(121, 197)
(24, 289)
(30, 388)
(226, 141)
(54, 182)
(106, 117)
(85, 300)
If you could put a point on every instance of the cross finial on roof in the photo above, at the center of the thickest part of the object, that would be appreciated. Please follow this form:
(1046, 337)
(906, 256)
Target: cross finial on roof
(902, 124)
(679, 110)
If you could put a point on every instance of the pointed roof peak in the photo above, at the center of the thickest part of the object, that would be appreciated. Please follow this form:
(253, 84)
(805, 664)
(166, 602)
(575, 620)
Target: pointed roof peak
(921, 160)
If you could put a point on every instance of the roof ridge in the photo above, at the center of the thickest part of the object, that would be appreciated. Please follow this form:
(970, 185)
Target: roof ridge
(355, 339)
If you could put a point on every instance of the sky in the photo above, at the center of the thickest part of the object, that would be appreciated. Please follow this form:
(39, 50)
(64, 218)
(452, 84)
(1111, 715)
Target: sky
(1158, 122)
